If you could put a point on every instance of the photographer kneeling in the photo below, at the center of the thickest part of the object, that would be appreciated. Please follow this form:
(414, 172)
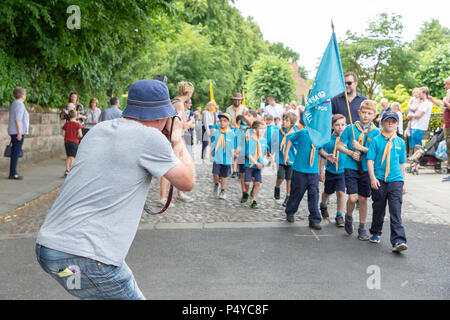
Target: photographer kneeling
(91, 226)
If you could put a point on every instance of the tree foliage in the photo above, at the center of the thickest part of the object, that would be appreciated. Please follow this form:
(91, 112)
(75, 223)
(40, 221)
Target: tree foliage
(270, 74)
(431, 34)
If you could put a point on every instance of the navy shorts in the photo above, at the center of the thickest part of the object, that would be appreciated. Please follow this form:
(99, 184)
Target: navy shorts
(71, 149)
(252, 172)
(241, 168)
(357, 183)
(284, 172)
(221, 169)
(334, 182)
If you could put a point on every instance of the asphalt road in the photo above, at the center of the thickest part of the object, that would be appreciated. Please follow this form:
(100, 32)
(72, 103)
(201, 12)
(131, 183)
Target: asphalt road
(259, 263)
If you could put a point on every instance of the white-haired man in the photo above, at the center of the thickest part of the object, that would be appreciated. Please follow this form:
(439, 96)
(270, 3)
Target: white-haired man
(384, 108)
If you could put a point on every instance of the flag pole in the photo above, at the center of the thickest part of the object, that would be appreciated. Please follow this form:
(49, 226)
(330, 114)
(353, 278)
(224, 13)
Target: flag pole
(346, 98)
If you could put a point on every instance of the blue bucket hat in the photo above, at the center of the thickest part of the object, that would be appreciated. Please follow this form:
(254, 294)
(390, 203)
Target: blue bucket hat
(148, 100)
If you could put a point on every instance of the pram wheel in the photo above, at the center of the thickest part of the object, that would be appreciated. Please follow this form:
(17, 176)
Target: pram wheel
(444, 170)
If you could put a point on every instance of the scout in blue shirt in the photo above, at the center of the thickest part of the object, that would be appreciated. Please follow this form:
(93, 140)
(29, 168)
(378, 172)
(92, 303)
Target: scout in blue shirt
(257, 147)
(305, 176)
(222, 151)
(279, 145)
(333, 178)
(270, 129)
(237, 131)
(358, 138)
(386, 161)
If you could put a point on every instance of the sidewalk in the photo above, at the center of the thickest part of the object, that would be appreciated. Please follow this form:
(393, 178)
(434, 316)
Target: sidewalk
(39, 179)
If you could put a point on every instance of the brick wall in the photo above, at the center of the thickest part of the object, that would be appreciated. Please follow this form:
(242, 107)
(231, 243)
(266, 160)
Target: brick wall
(43, 141)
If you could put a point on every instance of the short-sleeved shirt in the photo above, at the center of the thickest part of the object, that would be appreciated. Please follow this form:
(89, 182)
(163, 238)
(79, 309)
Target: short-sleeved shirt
(99, 206)
(92, 117)
(251, 150)
(422, 123)
(71, 128)
(234, 114)
(270, 130)
(275, 111)
(347, 138)
(398, 156)
(302, 157)
(339, 106)
(17, 111)
(277, 140)
(224, 156)
(110, 113)
(331, 167)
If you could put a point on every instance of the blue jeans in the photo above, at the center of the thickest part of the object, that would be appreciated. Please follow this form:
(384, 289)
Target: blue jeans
(88, 279)
(15, 151)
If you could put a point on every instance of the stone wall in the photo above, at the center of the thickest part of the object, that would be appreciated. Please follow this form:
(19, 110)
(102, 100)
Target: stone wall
(43, 141)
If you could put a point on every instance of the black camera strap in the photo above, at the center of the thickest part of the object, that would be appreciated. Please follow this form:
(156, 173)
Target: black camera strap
(170, 195)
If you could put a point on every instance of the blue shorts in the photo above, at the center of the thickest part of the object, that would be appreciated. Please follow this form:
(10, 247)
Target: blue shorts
(416, 138)
(241, 168)
(357, 183)
(221, 169)
(334, 182)
(252, 172)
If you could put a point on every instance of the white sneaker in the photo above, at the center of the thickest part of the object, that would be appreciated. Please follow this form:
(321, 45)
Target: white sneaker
(185, 198)
(162, 203)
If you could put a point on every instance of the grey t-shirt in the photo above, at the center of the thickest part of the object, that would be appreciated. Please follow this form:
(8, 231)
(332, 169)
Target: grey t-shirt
(99, 206)
(17, 111)
(110, 113)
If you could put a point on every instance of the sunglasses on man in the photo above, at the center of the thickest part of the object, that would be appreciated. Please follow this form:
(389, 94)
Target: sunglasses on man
(349, 83)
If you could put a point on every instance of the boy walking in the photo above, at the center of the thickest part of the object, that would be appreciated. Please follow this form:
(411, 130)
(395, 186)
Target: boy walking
(222, 151)
(333, 177)
(71, 133)
(284, 170)
(386, 162)
(305, 176)
(257, 147)
(357, 181)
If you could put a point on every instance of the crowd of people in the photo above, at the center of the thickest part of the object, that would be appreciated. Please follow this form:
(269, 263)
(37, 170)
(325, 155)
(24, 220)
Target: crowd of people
(361, 160)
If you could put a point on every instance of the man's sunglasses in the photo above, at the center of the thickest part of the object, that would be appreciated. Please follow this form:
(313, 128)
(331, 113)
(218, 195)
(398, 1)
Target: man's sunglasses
(349, 83)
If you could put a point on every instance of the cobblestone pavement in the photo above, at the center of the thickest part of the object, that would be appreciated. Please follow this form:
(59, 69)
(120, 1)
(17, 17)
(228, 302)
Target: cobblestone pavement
(205, 209)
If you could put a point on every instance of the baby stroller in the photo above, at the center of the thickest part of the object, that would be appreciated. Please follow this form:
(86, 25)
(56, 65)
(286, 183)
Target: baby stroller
(425, 156)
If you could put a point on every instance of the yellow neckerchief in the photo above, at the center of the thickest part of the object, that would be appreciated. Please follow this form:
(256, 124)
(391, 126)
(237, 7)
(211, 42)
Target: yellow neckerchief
(336, 151)
(283, 142)
(222, 138)
(258, 151)
(387, 152)
(312, 155)
(235, 115)
(366, 130)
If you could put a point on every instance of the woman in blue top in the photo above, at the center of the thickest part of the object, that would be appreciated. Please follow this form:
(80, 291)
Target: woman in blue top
(18, 124)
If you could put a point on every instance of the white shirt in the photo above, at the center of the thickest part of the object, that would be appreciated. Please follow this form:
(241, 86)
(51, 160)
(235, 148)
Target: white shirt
(422, 123)
(232, 113)
(275, 111)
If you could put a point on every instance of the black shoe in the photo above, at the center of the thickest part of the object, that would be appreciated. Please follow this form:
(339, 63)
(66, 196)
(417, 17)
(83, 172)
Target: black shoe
(315, 225)
(234, 175)
(276, 193)
(244, 197)
(340, 221)
(254, 205)
(285, 201)
(324, 212)
(15, 177)
(290, 218)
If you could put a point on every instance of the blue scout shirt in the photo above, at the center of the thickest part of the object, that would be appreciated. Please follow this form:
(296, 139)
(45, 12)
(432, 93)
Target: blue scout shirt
(331, 167)
(251, 150)
(270, 130)
(398, 156)
(278, 140)
(240, 141)
(302, 157)
(224, 156)
(347, 138)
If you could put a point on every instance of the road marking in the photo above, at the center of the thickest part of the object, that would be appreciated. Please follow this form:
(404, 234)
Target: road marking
(315, 234)
(404, 283)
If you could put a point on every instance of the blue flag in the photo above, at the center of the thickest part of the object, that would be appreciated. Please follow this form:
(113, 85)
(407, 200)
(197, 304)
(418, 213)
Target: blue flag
(329, 82)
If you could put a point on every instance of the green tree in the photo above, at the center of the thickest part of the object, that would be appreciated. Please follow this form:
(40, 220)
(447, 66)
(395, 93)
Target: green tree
(431, 34)
(434, 69)
(270, 74)
(378, 57)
